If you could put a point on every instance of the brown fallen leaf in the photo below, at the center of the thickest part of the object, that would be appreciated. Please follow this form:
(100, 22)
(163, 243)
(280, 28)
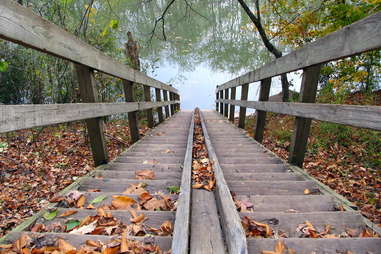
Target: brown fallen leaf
(124, 243)
(81, 201)
(144, 197)
(138, 218)
(279, 249)
(155, 204)
(122, 202)
(85, 229)
(113, 250)
(68, 213)
(136, 189)
(65, 247)
(6, 246)
(38, 227)
(22, 242)
(144, 174)
(197, 186)
(92, 243)
(307, 192)
(166, 227)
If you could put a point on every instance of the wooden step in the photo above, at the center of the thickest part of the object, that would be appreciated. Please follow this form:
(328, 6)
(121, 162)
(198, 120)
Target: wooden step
(254, 168)
(131, 174)
(280, 176)
(150, 159)
(138, 166)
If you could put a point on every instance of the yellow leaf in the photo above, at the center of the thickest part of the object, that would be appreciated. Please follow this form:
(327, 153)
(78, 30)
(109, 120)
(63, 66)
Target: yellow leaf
(122, 202)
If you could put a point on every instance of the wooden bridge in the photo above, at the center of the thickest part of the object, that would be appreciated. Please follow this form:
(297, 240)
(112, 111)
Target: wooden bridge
(256, 202)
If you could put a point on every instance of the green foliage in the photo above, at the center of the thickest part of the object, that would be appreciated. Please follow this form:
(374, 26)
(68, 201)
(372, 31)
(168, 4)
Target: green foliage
(50, 215)
(283, 135)
(3, 66)
(173, 189)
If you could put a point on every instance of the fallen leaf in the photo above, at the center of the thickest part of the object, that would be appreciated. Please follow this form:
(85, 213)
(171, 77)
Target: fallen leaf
(306, 192)
(22, 242)
(65, 247)
(38, 227)
(279, 249)
(50, 215)
(145, 196)
(122, 202)
(155, 204)
(6, 246)
(124, 243)
(68, 213)
(81, 201)
(166, 227)
(197, 186)
(145, 174)
(98, 199)
(93, 243)
(85, 229)
(70, 224)
(136, 189)
(138, 218)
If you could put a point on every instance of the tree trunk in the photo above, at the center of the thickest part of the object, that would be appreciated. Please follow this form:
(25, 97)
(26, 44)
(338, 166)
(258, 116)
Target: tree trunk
(270, 47)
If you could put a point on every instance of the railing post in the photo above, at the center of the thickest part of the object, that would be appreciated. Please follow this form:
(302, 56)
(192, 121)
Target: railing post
(226, 106)
(172, 107)
(159, 109)
(221, 104)
(178, 104)
(302, 125)
(147, 97)
(95, 126)
(242, 110)
(129, 95)
(166, 108)
(264, 93)
(217, 100)
(232, 107)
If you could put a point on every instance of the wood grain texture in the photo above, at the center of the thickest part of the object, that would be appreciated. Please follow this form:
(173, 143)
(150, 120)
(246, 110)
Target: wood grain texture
(260, 121)
(217, 94)
(242, 109)
(20, 25)
(234, 233)
(159, 109)
(181, 232)
(221, 104)
(95, 126)
(17, 117)
(226, 106)
(166, 108)
(232, 107)
(359, 37)
(302, 125)
(358, 116)
(149, 112)
(133, 124)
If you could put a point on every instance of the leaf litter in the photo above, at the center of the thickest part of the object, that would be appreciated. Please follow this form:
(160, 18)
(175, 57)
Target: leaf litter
(202, 170)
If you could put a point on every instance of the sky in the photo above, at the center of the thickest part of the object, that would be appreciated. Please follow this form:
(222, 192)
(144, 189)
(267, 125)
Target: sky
(197, 89)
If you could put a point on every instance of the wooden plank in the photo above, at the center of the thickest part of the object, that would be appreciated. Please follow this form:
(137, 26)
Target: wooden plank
(226, 106)
(133, 124)
(149, 113)
(20, 25)
(264, 93)
(232, 107)
(242, 110)
(95, 126)
(217, 97)
(181, 234)
(221, 104)
(234, 233)
(206, 233)
(172, 107)
(302, 125)
(359, 116)
(166, 108)
(17, 117)
(159, 109)
(361, 36)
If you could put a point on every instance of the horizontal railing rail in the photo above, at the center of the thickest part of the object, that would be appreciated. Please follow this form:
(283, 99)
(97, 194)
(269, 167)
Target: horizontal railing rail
(20, 25)
(358, 116)
(360, 37)
(17, 117)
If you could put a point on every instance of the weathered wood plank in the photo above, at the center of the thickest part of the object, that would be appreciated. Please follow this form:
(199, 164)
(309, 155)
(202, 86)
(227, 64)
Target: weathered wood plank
(133, 124)
(234, 233)
(217, 97)
(264, 93)
(20, 25)
(359, 37)
(95, 126)
(226, 106)
(232, 107)
(242, 110)
(149, 113)
(181, 234)
(358, 116)
(159, 109)
(17, 117)
(221, 104)
(166, 108)
(302, 125)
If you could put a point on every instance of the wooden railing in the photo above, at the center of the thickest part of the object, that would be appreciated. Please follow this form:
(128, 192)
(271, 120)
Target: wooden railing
(20, 25)
(360, 37)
